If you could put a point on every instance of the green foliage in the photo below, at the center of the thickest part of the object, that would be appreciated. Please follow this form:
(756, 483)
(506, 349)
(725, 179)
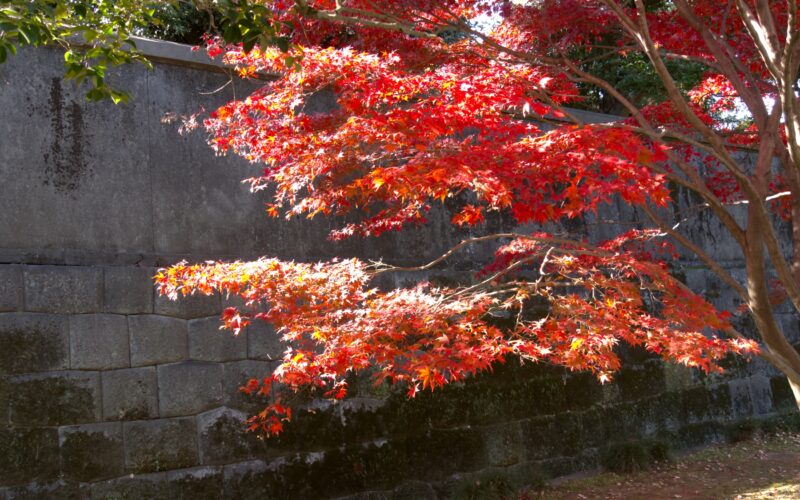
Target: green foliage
(96, 35)
(634, 76)
(183, 22)
(633, 456)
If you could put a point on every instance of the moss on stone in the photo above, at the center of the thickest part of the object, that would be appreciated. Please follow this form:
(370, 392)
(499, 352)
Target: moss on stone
(52, 400)
(89, 456)
(636, 382)
(28, 454)
(29, 349)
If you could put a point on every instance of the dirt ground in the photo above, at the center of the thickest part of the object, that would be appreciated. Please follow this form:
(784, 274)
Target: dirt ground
(762, 468)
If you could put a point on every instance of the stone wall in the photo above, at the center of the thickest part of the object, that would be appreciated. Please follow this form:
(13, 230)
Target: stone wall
(108, 391)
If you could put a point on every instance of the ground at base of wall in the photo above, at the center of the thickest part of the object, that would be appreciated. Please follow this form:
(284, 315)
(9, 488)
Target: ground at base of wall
(757, 469)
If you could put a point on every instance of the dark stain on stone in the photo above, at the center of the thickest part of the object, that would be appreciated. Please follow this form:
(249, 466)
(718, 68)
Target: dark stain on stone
(28, 349)
(66, 165)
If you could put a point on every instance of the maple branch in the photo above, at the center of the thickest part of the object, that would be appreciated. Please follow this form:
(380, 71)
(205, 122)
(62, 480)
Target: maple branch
(695, 249)
(370, 19)
(384, 268)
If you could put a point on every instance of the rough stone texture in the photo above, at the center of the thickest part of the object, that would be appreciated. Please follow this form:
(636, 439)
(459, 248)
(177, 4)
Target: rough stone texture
(222, 440)
(11, 288)
(131, 487)
(92, 451)
(235, 375)
(63, 289)
(189, 388)
(197, 482)
(130, 394)
(28, 454)
(158, 445)
(208, 343)
(98, 342)
(128, 290)
(761, 394)
(192, 306)
(157, 339)
(33, 342)
(55, 398)
(503, 444)
(741, 398)
(45, 489)
(263, 342)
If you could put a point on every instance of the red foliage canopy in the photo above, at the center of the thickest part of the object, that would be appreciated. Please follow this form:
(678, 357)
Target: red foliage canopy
(430, 108)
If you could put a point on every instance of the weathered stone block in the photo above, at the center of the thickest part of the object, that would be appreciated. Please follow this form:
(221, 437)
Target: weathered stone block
(189, 388)
(263, 342)
(236, 374)
(92, 451)
(761, 394)
(189, 307)
(33, 342)
(546, 437)
(43, 490)
(128, 290)
(28, 454)
(740, 398)
(157, 445)
(11, 288)
(223, 438)
(128, 487)
(504, 444)
(677, 377)
(55, 398)
(99, 342)
(208, 343)
(636, 382)
(63, 289)
(197, 482)
(130, 394)
(582, 391)
(157, 339)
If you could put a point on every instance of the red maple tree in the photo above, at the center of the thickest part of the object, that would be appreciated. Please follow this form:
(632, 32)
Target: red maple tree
(431, 108)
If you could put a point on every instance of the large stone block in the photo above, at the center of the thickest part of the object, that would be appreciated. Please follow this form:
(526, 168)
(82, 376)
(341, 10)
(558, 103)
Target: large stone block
(504, 444)
(741, 399)
(189, 388)
(208, 343)
(157, 339)
(263, 342)
(92, 451)
(197, 482)
(63, 289)
(99, 342)
(157, 445)
(33, 342)
(60, 489)
(128, 290)
(54, 398)
(223, 437)
(27, 454)
(189, 307)
(545, 437)
(236, 375)
(130, 394)
(151, 486)
(641, 381)
(761, 394)
(11, 288)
